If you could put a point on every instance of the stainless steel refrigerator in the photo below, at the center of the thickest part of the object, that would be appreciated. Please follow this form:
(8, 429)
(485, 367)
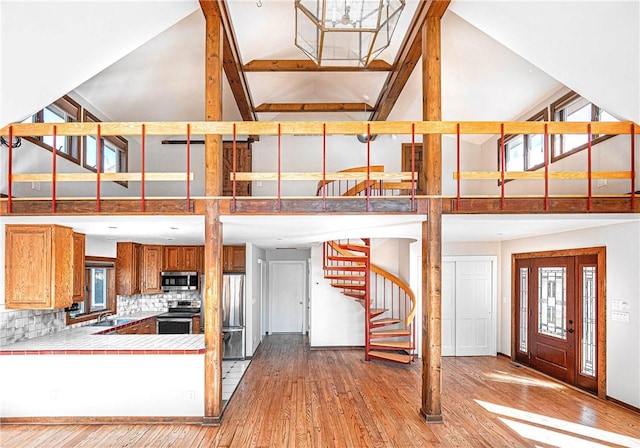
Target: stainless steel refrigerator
(233, 305)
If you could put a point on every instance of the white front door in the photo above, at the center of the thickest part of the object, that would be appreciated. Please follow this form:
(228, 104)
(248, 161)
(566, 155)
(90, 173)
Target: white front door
(287, 292)
(468, 303)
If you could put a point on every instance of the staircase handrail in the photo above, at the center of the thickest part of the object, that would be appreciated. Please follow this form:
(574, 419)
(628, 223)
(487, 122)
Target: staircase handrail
(358, 169)
(389, 276)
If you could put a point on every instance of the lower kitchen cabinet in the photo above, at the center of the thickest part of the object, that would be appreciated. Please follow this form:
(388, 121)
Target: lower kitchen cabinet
(147, 326)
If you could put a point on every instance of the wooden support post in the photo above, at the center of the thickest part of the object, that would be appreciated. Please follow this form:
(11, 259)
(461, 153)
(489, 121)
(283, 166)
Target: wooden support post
(431, 176)
(212, 314)
(213, 227)
(213, 104)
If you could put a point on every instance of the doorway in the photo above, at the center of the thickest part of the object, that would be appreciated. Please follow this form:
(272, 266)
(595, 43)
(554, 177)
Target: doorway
(287, 296)
(559, 315)
(469, 306)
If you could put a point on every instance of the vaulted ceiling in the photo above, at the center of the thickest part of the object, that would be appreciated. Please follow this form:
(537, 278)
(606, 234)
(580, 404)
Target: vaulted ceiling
(145, 61)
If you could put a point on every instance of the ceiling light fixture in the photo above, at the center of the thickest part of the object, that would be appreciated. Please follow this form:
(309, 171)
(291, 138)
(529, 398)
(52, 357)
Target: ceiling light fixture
(351, 31)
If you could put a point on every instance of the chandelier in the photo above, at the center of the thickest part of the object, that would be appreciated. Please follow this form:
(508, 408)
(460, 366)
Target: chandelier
(351, 31)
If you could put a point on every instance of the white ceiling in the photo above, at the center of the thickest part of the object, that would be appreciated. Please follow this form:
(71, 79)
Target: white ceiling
(303, 231)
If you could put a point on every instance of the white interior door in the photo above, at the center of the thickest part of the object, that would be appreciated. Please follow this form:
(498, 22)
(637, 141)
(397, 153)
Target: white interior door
(468, 307)
(287, 293)
(448, 308)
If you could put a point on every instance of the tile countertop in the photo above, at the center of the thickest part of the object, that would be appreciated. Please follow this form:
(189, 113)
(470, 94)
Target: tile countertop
(86, 341)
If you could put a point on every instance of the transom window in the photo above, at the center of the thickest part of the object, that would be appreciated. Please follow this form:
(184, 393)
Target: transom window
(64, 110)
(114, 151)
(83, 151)
(524, 152)
(573, 108)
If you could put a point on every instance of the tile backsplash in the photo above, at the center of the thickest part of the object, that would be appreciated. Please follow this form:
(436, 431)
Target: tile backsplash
(21, 325)
(152, 302)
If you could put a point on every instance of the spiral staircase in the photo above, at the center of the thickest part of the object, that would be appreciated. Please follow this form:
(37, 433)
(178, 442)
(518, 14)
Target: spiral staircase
(389, 302)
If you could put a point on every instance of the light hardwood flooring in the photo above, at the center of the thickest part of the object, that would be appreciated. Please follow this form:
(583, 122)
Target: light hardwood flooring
(293, 397)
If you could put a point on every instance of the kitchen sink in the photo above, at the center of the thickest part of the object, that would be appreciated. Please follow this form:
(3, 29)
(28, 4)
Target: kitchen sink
(112, 322)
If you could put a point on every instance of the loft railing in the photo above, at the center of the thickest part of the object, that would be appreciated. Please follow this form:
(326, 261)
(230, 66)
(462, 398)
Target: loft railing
(374, 182)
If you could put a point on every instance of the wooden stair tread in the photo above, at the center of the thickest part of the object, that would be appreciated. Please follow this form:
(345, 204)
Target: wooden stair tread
(358, 295)
(360, 277)
(389, 333)
(354, 258)
(355, 247)
(385, 321)
(395, 357)
(349, 285)
(392, 345)
(373, 312)
(357, 267)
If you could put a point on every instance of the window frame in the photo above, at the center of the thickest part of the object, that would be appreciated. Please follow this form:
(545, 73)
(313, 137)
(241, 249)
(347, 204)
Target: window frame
(71, 109)
(558, 107)
(97, 262)
(121, 144)
(542, 115)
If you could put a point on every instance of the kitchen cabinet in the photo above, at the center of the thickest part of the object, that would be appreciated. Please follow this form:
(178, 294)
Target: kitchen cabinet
(38, 266)
(128, 268)
(147, 326)
(195, 324)
(182, 258)
(234, 258)
(78, 267)
(150, 268)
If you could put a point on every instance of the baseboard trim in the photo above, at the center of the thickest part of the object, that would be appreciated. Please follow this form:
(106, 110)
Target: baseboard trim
(101, 420)
(623, 404)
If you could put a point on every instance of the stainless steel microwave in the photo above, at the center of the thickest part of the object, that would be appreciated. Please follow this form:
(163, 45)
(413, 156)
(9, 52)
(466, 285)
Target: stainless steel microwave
(179, 281)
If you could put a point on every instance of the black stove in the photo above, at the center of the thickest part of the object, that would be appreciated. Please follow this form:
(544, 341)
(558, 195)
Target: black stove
(179, 318)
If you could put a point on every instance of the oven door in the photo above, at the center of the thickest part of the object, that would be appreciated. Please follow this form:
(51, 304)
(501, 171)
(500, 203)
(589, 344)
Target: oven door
(174, 325)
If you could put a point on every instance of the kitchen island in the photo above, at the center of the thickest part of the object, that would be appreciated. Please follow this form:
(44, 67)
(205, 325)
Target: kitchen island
(80, 372)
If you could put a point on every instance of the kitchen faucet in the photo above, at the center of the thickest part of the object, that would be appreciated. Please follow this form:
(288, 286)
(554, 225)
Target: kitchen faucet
(103, 316)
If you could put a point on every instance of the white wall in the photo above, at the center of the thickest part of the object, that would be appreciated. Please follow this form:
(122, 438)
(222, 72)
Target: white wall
(336, 320)
(254, 298)
(42, 386)
(622, 242)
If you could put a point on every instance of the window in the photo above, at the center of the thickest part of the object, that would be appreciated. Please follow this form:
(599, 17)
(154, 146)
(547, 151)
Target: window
(573, 108)
(524, 152)
(99, 293)
(114, 151)
(65, 110)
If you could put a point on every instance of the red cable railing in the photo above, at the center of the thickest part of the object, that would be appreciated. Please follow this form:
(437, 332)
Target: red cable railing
(368, 185)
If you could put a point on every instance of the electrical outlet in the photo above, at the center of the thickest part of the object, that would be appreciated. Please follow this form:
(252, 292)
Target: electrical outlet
(259, 183)
(35, 186)
(191, 395)
(601, 183)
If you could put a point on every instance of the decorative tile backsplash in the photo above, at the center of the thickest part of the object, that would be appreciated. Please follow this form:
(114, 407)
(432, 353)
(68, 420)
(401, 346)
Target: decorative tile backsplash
(152, 302)
(21, 325)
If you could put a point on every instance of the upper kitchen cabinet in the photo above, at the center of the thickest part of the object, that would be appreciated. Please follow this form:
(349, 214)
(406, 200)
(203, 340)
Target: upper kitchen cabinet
(128, 268)
(182, 258)
(78, 267)
(38, 266)
(150, 268)
(234, 258)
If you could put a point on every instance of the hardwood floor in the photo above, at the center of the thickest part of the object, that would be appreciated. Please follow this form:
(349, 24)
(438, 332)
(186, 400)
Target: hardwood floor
(293, 397)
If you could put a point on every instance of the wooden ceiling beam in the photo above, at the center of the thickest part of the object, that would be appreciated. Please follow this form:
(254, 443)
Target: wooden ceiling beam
(307, 65)
(314, 107)
(407, 58)
(231, 59)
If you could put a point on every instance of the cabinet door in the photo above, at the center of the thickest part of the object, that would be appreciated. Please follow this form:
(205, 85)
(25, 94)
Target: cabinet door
(190, 258)
(151, 268)
(172, 258)
(132, 329)
(147, 327)
(234, 258)
(128, 269)
(78, 267)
